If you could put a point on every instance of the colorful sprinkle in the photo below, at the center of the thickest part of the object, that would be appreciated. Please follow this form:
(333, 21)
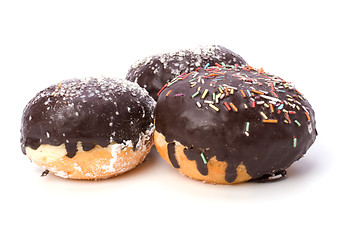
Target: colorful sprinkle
(294, 141)
(247, 126)
(258, 92)
(307, 115)
(242, 92)
(198, 104)
(287, 117)
(214, 107)
(263, 115)
(204, 94)
(227, 106)
(234, 107)
(297, 122)
(272, 108)
(168, 93)
(203, 158)
(164, 86)
(270, 120)
(195, 94)
(170, 83)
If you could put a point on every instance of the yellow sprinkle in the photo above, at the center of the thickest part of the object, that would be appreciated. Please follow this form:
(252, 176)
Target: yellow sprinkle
(214, 107)
(263, 115)
(204, 94)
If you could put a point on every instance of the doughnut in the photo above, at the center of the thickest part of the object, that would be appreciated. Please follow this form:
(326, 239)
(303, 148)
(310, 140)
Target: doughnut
(154, 72)
(226, 124)
(92, 128)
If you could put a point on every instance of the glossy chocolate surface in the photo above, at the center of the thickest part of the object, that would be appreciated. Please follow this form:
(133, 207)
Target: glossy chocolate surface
(238, 114)
(91, 111)
(153, 72)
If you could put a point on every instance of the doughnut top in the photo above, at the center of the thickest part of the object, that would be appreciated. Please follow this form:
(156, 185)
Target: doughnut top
(94, 111)
(238, 114)
(153, 72)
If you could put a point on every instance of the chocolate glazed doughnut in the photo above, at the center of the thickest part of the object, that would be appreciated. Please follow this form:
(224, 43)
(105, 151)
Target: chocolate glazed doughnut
(153, 72)
(228, 124)
(88, 128)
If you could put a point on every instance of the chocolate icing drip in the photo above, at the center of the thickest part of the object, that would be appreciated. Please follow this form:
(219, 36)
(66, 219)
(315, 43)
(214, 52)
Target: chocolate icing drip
(91, 111)
(238, 114)
(153, 72)
(171, 154)
(194, 155)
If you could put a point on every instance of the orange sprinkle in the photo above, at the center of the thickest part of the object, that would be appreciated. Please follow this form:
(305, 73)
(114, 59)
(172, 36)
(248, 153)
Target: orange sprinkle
(271, 107)
(287, 117)
(308, 117)
(226, 91)
(255, 91)
(168, 93)
(244, 95)
(270, 120)
(260, 70)
(298, 92)
(234, 107)
(60, 85)
(249, 67)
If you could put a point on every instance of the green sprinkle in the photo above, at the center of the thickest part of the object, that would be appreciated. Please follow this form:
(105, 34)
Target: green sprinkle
(223, 64)
(294, 141)
(192, 80)
(247, 126)
(195, 94)
(172, 82)
(298, 123)
(213, 97)
(203, 158)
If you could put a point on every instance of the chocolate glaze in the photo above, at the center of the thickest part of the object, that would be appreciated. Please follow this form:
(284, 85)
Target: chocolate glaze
(153, 72)
(92, 111)
(171, 154)
(236, 133)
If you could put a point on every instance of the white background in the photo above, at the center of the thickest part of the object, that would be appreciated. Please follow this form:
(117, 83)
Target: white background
(42, 43)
